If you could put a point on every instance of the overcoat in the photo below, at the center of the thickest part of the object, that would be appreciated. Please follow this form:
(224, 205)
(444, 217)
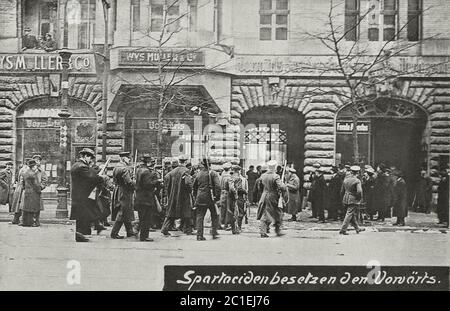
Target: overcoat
(268, 204)
(400, 198)
(122, 201)
(294, 203)
(179, 188)
(368, 186)
(237, 188)
(442, 201)
(17, 201)
(42, 179)
(317, 194)
(32, 192)
(203, 184)
(147, 185)
(84, 180)
(424, 191)
(383, 194)
(252, 176)
(5, 186)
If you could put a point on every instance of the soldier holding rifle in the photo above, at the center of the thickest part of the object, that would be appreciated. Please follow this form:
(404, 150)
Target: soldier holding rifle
(123, 197)
(146, 202)
(269, 210)
(206, 193)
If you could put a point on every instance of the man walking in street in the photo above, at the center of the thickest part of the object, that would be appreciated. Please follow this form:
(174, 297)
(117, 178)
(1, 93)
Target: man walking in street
(269, 210)
(293, 186)
(84, 180)
(237, 189)
(122, 201)
(179, 203)
(147, 185)
(352, 194)
(206, 191)
(400, 200)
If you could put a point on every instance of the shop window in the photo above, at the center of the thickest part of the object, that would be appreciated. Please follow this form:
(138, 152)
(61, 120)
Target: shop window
(172, 10)
(39, 19)
(273, 22)
(351, 20)
(80, 24)
(414, 20)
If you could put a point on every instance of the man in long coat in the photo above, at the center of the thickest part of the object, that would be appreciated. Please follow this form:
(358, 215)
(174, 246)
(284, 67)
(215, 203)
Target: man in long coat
(206, 190)
(6, 177)
(351, 198)
(179, 203)
(317, 194)
(122, 201)
(223, 203)
(383, 188)
(42, 178)
(148, 184)
(368, 185)
(334, 194)
(252, 176)
(293, 186)
(268, 209)
(423, 194)
(258, 187)
(17, 198)
(84, 180)
(237, 189)
(400, 200)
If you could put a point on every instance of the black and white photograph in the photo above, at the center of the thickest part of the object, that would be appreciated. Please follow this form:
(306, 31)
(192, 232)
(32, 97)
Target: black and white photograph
(224, 145)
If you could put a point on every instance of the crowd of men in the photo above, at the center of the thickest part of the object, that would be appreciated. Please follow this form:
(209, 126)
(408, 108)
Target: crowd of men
(177, 191)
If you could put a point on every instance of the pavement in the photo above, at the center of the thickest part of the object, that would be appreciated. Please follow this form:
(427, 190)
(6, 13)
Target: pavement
(43, 258)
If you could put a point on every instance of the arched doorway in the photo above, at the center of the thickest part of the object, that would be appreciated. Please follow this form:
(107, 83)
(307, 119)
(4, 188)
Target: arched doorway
(390, 131)
(278, 134)
(38, 132)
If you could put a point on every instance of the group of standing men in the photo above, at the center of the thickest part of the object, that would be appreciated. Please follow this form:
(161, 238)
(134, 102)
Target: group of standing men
(24, 192)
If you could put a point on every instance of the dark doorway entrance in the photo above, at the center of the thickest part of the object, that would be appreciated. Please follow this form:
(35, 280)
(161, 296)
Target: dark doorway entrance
(278, 135)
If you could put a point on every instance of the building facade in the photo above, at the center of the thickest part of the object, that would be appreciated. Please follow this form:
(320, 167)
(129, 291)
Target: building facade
(247, 66)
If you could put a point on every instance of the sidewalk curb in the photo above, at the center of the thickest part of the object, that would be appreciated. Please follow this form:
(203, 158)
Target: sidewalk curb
(47, 221)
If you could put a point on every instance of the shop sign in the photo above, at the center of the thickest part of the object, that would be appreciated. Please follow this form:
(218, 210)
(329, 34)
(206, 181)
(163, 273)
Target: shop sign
(176, 58)
(44, 62)
(42, 123)
(347, 126)
(167, 125)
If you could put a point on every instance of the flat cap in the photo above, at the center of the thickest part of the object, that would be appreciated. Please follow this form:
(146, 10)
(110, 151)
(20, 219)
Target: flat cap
(146, 157)
(167, 161)
(183, 158)
(355, 168)
(236, 168)
(272, 164)
(87, 151)
(370, 170)
(37, 156)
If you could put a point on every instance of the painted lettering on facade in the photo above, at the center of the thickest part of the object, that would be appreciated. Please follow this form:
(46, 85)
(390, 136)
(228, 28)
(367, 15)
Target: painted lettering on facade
(45, 62)
(169, 58)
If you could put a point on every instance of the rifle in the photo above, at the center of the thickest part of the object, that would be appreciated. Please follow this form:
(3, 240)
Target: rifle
(102, 172)
(210, 188)
(280, 200)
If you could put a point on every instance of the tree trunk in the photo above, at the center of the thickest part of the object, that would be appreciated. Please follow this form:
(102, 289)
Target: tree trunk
(355, 139)
(160, 127)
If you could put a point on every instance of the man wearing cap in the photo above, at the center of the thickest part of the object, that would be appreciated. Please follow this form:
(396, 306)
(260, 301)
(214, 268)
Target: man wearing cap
(258, 187)
(6, 177)
(179, 205)
(206, 190)
(237, 189)
(122, 201)
(42, 179)
(400, 200)
(317, 194)
(268, 209)
(148, 183)
(29, 41)
(31, 195)
(352, 194)
(293, 186)
(223, 203)
(84, 179)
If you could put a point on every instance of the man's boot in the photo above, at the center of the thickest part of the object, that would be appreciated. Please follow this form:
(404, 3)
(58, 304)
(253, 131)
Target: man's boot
(80, 237)
(278, 230)
(115, 230)
(129, 228)
(36, 219)
(16, 218)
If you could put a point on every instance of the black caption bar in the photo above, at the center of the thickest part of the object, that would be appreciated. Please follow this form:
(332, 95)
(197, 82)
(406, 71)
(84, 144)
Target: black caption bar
(311, 278)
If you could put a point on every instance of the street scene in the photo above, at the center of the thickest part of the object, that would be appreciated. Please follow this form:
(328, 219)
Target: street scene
(150, 133)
